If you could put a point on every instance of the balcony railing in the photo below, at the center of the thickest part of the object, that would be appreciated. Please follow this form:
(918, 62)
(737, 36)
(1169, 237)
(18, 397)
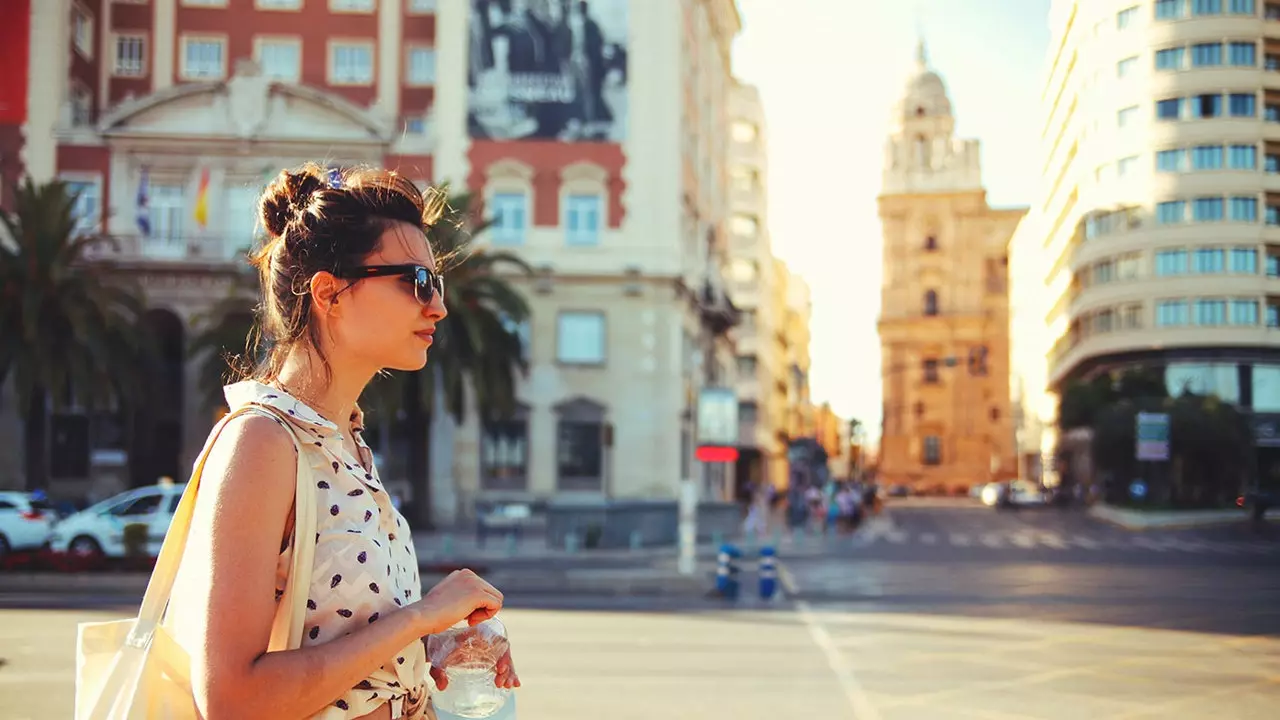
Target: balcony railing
(207, 249)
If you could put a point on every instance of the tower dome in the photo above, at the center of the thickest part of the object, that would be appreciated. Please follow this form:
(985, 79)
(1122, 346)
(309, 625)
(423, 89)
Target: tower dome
(925, 94)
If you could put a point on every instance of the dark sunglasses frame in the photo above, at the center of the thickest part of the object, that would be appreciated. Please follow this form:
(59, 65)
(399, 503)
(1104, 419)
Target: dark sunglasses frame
(426, 284)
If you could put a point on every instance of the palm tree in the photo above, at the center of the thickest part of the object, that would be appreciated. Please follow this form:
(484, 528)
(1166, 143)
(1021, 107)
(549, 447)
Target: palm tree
(478, 347)
(220, 344)
(72, 330)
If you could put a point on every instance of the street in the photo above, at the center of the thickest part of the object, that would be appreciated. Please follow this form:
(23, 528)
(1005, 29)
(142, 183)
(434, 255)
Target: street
(1035, 614)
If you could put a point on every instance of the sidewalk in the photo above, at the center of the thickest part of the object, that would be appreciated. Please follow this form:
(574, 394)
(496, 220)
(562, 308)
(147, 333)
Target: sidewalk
(1170, 519)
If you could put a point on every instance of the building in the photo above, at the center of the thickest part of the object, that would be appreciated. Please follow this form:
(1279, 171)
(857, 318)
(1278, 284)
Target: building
(619, 200)
(797, 303)
(1154, 241)
(759, 291)
(944, 327)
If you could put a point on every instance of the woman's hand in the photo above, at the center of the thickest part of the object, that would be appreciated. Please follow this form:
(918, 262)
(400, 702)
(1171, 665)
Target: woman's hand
(462, 595)
(506, 674)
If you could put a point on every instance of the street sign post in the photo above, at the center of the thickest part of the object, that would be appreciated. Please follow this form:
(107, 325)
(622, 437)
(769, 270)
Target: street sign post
(1152, 437)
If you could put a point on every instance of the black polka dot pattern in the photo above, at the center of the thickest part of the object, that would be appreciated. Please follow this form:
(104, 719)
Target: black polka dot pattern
(364, 567)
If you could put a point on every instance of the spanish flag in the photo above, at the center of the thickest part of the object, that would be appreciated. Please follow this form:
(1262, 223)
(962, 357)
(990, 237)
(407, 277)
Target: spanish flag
(202, 199)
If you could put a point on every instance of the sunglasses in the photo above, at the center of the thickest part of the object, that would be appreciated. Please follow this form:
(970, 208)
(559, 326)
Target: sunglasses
(426, 284)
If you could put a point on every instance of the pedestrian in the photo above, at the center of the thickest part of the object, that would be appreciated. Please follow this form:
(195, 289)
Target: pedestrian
(350, 287)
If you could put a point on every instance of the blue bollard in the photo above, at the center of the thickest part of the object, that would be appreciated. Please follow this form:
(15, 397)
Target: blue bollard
(447, 549)
(727, 572)
(768, 573)
(637, 540)
(511, 544)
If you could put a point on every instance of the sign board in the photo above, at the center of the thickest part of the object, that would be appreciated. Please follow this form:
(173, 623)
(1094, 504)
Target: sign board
(1152, 436)
(718, 417)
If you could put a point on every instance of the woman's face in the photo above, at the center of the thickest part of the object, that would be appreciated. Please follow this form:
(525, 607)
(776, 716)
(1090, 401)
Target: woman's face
(379, 321)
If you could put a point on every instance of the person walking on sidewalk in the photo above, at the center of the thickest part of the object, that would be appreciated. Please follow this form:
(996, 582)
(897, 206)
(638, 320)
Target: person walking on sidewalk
(350, 287)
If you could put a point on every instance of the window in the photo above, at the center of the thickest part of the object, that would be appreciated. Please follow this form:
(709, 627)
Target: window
(1206, 157)
(351, 63)
(1206, 106)
(1125, 17)
(1211, 312)
(422, 6)
(580, 338)
(1171, 160)
(1209, 261)
(1128, 266)
(931, 302)
(1171, 313)
(510, 218)
(743, 131)
(1242, 7)
(1170, 109)
(1243, 54)
(131, 54)
(747, 366)
(352, 5)
(1244, 260)
(1172, 211)
(278, 4)
(504, 452)
(1271, 11)
(1169, 9)
(744, 271)
(580, 434)
(978, 361)
(1244, 209)
(931, 243)
(930, 369)
(1125, 164)
(1206, 55)
(1131, 316)
(1171, 262)
(82, 31)
(168, 207)
(1243, 312)
(1243, 157)
(1206, 7)
(1243, 104)
(1126, 66)
(744, 226)
(88, 205)
(1271, 163)
(203, 58)
(582, 219)
(1209, 209)
(1126, 116)
(421, 66)
(81, 104)
(281, 59)
(1273, 215)
(1170, 58)
(932, 450)
(143, 505)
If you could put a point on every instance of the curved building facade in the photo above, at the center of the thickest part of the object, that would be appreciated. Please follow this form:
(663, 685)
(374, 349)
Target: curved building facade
(1155, 240)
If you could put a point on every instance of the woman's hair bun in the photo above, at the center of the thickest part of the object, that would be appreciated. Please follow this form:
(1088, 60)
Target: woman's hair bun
(288, 197)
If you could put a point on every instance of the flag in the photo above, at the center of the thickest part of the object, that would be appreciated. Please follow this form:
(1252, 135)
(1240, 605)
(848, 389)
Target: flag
(202, 199)
(143, 210)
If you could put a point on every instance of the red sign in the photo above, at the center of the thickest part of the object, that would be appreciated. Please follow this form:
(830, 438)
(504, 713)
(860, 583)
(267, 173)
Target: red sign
(712, 453)
(15, 36)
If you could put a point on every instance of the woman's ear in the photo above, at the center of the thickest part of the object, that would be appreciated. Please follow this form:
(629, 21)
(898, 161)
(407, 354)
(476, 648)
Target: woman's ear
(325, 289)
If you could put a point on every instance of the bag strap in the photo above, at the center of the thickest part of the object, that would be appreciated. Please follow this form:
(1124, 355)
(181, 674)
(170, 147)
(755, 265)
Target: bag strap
(160, 587)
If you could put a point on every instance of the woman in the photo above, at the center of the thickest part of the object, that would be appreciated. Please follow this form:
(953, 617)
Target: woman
(350, 287)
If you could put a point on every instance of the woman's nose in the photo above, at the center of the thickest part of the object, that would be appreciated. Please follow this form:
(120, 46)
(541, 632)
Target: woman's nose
(436, 309)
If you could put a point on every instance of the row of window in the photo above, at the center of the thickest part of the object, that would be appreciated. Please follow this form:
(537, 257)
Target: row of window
(1236, 53)
(350, 62)
(580, 443)
(583, 218)
(1177, 9)
(1206, 106)
(1212, 261)
(368, 6)
(1214, 157)
(1210, 312)
(1215, 209)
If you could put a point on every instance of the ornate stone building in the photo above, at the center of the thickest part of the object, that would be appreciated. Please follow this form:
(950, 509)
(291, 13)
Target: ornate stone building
(944, 322)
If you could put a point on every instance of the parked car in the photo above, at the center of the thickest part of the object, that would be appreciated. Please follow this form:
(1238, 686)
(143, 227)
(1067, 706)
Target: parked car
(98, 531)
(25, 522)
(1258, 502)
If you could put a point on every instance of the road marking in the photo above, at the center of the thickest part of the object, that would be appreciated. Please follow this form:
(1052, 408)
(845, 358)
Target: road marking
(1086, 543)
(1024, 541)
(992, 541)
(960, 540)
(897, 537)
(853, 691)
(1054, 541)
(928, 538)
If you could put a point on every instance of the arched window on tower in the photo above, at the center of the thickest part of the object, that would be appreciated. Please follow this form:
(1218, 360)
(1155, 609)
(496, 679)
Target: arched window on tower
(931, 303)
(922, 152)
(931, 243)
(919, 111)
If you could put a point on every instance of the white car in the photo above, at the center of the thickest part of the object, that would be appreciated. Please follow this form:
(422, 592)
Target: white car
(98, 531)
(25, 522)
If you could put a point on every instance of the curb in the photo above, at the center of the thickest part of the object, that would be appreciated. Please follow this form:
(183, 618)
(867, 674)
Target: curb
(1134, 522)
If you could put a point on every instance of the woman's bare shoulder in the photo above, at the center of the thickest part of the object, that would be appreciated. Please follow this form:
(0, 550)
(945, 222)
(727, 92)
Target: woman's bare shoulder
(253, 463)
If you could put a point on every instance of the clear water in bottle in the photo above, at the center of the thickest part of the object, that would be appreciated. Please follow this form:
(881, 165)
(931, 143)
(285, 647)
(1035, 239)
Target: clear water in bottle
(471, 692)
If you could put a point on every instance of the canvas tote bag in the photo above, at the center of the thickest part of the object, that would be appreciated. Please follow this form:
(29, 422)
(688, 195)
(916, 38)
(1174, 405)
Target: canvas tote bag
(134, 669)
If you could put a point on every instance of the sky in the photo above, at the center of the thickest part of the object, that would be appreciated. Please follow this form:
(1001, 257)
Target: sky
(829, 73)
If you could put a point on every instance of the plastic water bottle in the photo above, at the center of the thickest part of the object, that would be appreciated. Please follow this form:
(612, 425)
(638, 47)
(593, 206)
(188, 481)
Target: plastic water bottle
(469, 658)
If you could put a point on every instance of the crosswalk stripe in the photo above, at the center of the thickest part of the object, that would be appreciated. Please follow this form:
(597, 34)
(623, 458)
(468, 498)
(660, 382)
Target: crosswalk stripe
(1086, 543)
(960, 540)
(928, 538)
(992, 541)
(1024, 539)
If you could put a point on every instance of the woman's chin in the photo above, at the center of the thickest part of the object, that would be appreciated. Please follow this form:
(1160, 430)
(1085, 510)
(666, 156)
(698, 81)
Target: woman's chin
(411, 363)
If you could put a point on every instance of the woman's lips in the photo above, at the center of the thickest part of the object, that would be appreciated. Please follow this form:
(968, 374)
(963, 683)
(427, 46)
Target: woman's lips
(426, 335)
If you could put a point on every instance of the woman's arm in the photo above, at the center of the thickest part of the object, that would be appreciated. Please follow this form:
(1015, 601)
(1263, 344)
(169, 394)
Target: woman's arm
(245, 497)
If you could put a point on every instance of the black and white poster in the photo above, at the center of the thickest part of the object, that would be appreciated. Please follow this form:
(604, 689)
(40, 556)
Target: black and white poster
(548, 70)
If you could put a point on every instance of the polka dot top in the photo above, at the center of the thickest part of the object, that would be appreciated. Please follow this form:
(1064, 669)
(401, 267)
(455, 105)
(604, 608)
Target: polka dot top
(365, 565)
